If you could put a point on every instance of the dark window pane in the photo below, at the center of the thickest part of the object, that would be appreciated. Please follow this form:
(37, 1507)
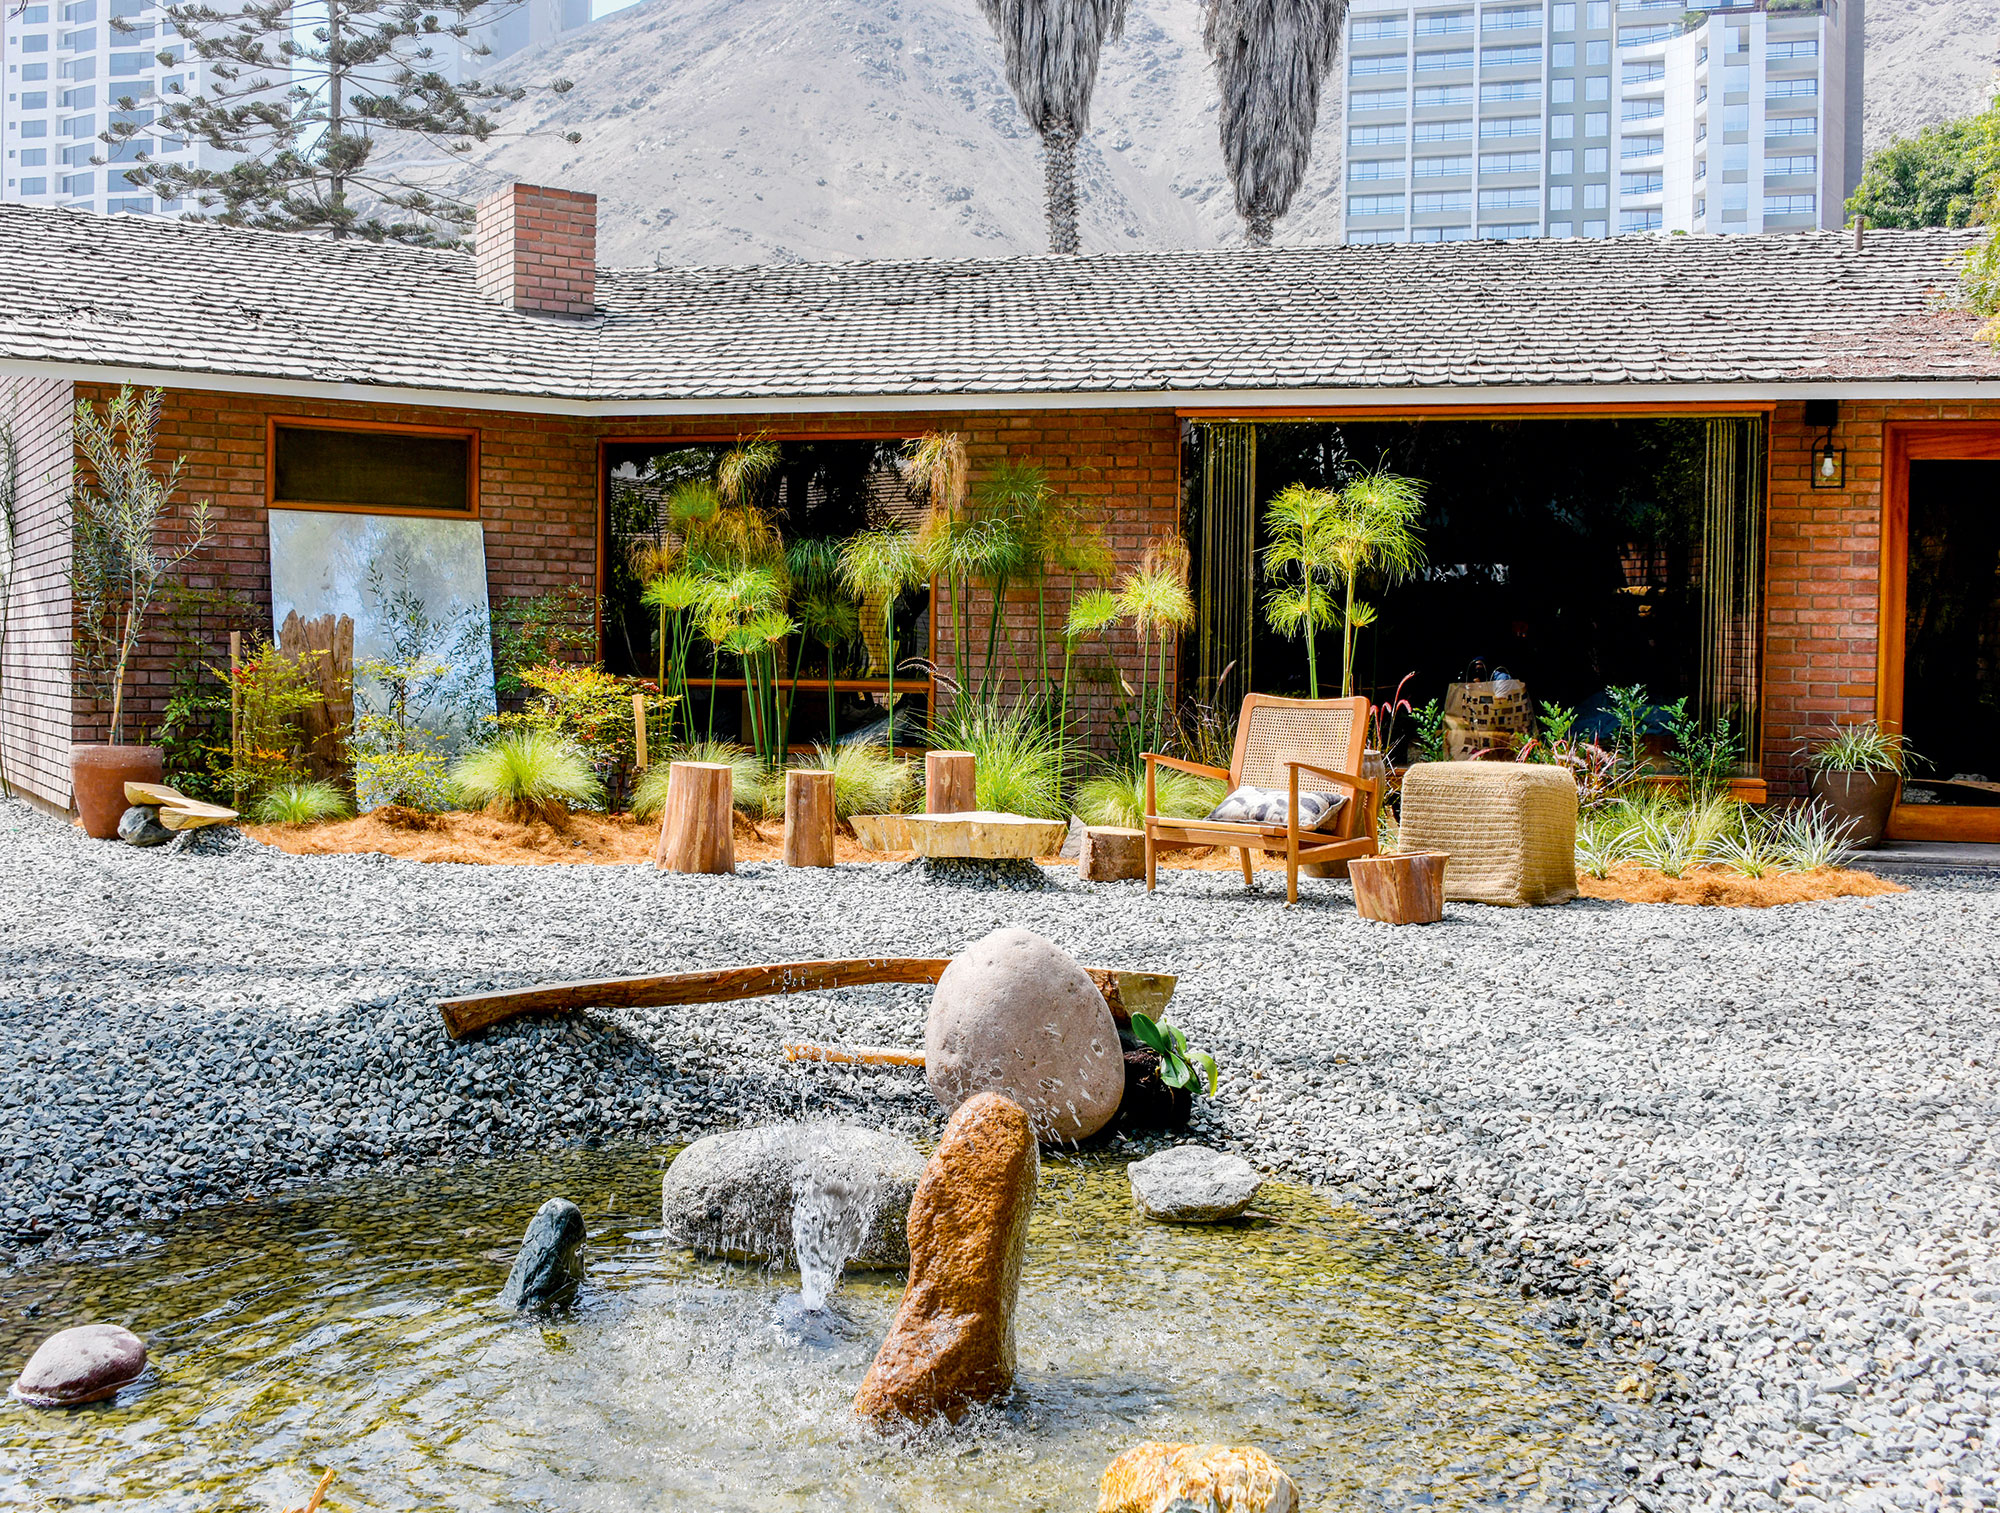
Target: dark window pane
(385, 469)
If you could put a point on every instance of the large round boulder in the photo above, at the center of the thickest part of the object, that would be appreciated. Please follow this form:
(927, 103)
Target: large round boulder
(81, 1365)
(734, 1195)
(1014, 1014)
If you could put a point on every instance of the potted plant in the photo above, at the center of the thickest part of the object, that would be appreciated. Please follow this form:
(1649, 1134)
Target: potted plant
(1857, 773)
(119, 513)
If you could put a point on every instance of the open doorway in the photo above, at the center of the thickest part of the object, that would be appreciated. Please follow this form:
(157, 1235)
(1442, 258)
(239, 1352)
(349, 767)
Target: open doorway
(1941, 647)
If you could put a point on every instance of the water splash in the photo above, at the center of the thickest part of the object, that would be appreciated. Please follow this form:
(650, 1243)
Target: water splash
(833, 1209)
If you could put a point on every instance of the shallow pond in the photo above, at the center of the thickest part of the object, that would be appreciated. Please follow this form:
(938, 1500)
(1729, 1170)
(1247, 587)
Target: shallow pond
(355, 1329)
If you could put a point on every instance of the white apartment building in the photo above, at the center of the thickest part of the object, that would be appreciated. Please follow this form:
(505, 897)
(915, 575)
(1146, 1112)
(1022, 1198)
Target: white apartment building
(1517, 118)
(66, 71)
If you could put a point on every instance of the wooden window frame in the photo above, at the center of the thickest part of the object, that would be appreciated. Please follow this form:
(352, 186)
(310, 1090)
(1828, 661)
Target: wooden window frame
(1905, 442)
(467, 434)
(730, 439)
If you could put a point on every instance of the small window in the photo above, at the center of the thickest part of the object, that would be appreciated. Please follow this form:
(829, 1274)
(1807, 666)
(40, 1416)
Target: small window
(427, 471)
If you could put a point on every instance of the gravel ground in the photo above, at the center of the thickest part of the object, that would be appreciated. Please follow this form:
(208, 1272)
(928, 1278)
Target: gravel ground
(1754, 1151)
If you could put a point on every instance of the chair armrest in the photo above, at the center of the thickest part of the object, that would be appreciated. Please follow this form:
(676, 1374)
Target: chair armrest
(1348, 779)
(1199, 769)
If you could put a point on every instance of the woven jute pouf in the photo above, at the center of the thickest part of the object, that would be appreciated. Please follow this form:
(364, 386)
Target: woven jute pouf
(1509, 828)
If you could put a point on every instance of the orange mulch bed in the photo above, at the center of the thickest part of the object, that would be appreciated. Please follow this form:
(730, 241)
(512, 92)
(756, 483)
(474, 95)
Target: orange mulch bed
(583, 839)
(1718, 886)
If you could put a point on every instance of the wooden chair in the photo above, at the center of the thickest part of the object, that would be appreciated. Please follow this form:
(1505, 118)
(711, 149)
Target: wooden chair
(1276, 740)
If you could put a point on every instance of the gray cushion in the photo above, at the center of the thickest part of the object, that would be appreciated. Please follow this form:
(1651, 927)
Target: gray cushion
(1269, 806)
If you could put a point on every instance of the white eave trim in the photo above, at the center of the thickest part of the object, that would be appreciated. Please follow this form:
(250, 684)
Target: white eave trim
(1216, 401)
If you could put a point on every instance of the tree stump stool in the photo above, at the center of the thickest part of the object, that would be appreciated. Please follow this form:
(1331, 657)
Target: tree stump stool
(951, 782)
(808, 818)
(1406, 888)
(697, 828)
(1111, 854)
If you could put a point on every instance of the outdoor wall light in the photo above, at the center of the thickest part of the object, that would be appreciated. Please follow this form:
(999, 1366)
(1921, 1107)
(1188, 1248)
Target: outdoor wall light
(1829, 465)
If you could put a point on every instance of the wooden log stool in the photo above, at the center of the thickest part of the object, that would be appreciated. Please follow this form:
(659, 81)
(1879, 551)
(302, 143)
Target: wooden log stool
(808, 818)
(1404, 888)
(951, 782)
(1111, 854)
(697, 829)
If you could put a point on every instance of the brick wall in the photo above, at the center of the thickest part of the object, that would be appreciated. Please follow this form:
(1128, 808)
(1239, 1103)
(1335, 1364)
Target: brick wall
(35, 657)
(538, 502)
(536, 249)
(1823, 576)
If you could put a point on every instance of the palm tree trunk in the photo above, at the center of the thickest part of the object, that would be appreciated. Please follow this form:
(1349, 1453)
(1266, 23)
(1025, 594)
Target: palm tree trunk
(1059, 187)
(1258, 229)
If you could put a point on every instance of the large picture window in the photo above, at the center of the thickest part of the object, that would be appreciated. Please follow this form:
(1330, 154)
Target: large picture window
(384, 469)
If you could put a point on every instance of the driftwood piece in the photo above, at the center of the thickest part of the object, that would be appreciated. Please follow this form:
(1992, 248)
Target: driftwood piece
(1124, 991)
(973, 835)
(324, 649)
(697, 829)
(1111, 854)
(859, 1055)
(177, 810)
(1406, 888)
(951, 782)
(808, 818)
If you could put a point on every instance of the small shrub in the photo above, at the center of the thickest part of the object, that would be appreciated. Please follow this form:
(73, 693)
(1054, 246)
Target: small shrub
(1118, 796)
(750, 783)
(527, 774)
(1180, 1065)
(866, 779)
(300, 803)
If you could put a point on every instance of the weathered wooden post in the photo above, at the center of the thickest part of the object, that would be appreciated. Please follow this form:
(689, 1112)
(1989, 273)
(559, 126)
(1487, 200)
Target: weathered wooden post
(951, 783)
(1404, 888)
(1111, 854)
(808, 818)
(697, 831)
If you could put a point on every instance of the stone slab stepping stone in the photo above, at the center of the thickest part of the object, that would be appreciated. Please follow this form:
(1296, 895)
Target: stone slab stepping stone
(82, 1365)
(1191, 1184)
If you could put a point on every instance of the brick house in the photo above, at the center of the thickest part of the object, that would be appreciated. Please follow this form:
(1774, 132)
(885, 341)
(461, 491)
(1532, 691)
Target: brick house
(1811, 381)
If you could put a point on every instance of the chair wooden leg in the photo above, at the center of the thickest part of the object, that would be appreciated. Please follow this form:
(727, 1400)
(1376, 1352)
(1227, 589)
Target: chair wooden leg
(1291, 878)
(1249, 872)
(1150, 858)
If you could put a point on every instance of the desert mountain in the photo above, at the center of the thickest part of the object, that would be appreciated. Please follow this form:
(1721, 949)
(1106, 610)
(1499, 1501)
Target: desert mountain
(737, 131)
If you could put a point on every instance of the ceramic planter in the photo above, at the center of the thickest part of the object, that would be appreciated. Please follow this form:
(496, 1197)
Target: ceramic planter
(1863, 799)
(97, 779)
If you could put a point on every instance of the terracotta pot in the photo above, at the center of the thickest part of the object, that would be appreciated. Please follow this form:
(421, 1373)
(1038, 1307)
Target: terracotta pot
(97, 779)
(1864, 798)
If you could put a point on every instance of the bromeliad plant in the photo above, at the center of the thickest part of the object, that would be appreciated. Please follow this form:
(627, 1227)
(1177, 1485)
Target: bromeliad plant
(1177, 1060)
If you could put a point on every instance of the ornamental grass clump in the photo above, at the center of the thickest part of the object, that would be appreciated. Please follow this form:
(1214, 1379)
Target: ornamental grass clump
(866, 779)
(300, 803)
(527, 775)
(1018, 754)
(751, 782)
(1117, 796)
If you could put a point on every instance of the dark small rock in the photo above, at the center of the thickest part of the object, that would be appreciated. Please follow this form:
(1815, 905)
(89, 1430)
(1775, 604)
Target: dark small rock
(140, 826)
(82, 1365)
(549, 1267)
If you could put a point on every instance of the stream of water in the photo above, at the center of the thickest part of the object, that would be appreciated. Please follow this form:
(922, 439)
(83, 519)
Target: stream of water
(355, 1329)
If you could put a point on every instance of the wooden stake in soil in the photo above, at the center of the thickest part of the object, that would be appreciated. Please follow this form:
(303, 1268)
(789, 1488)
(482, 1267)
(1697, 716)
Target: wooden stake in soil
(639, 731)
(1403, 889)
(697, 833)
(235, 723)
(808, 818)
(951, 782)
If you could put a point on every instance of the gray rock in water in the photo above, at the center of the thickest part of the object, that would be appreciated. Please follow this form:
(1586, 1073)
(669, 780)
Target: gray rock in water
(1192, 1184)
(140, 826)
(732, 1195)
(82, 1365)
(549, 1267)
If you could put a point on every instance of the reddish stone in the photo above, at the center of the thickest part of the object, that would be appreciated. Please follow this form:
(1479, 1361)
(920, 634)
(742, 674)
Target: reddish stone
(81, 1365)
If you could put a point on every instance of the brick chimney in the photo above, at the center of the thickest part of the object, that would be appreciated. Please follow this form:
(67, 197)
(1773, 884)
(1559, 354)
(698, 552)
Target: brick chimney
(536, 249)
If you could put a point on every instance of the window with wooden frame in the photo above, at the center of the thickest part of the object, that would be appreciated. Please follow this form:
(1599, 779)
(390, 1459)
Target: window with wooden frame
(371, 467)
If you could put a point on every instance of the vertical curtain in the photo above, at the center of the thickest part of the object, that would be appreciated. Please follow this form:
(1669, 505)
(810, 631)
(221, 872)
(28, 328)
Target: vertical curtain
(1227, 583)
(1732, 581)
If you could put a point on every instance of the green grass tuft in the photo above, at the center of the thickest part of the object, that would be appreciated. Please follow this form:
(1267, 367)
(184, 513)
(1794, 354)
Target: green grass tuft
(866, 779)
(1118, 796)
(751, 786)
(527, 774)
(300, 803)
